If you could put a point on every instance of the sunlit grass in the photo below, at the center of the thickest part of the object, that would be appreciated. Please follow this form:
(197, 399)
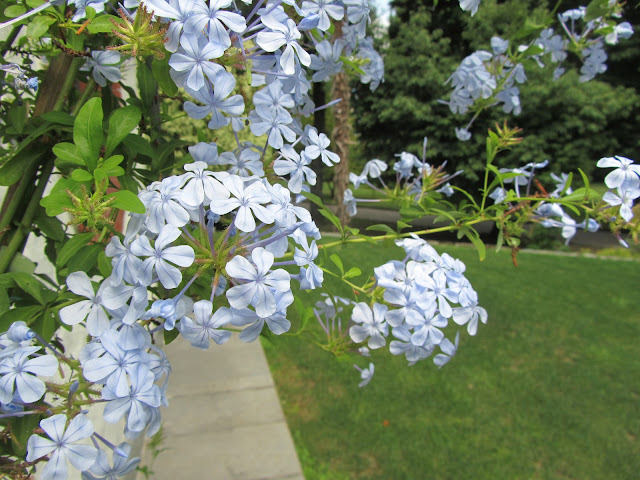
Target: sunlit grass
(549, 388)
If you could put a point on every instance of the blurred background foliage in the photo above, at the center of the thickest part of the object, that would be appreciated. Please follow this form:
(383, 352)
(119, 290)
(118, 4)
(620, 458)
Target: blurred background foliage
(570, 123)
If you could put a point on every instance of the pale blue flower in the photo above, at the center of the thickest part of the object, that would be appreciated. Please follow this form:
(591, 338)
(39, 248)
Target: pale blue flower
(161, 255)
(325, 9)
(215, 100)
(374, 168)
(624, 199)
(404, 346)
(92, 309)
(327, 62)
(105, 66)
(365, 374)
(448, 351)
(163, 203)
(248, 199)
(205, 152)
(142, 397)
(470, 6)
(317, 145)
(202, 186)
(204, 327)
(259, 284)
(113, 367)
(245, 164)
(625, 175)
(283, 34)
(470, 316)
(193, 60)
(358, 14)
(276, 322)
(371, 324)
(19, 372)
(122, 464)
(295, 165)
(211, 17)
(62, 446)
(275, 123)
(272, 98)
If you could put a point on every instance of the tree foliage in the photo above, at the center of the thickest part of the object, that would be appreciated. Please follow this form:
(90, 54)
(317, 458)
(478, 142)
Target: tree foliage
(559, 119)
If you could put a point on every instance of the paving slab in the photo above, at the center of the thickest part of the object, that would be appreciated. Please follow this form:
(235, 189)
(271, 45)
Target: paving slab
(224, 420)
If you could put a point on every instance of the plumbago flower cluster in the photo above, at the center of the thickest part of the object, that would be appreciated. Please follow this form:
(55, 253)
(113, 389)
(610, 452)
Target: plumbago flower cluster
(210, 247)
(490, 78)
(224, 240)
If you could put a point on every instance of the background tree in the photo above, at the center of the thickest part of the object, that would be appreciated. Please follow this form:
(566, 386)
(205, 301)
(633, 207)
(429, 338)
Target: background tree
(560, 119)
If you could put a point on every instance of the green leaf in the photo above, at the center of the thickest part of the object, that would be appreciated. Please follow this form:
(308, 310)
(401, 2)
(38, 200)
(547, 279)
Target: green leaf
(170, 335)
(39, 26)
(129, 201)
(14, 11)
(68, 153)
(14, 169)
(401, 225)
(45, 324)
(595, 9)
(80, 175)
(121, 122)
(35, 3)
(138, 145)
(147, 85)
(51, 227)
(328, 214)
(26, 314)
(479, 244)
(111, 168)
(90, 12)
(580, 195)
(23, 428)
(4, 301)
(85, 259)
(33, 287)
(530, 29)
(313, 198)
(160, 69)
(102, 24)
(100, 175)
(381, 227)
(17, 117)
(585, 179)
(20, 263)
(60, 118)
(411, 213)
(164, 151)
(56, 202)
(87, 131)
(353, 272)
(104, 265)
(338, 263)
(127, 182)
(71, 248)
(112, 162)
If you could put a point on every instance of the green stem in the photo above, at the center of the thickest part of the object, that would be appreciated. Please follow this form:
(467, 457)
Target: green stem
(88, 91)
(428, 231)
(17, 196)
(6, 45)
(25, 226)
(486, 182)
(68, 83)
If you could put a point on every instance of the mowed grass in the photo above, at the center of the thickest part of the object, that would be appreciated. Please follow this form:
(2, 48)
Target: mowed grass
(548, 389)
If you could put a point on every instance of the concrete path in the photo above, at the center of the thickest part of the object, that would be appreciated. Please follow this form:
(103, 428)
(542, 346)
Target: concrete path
(224, 420)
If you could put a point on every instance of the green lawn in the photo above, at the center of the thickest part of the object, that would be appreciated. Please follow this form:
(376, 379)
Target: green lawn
(548, 389)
